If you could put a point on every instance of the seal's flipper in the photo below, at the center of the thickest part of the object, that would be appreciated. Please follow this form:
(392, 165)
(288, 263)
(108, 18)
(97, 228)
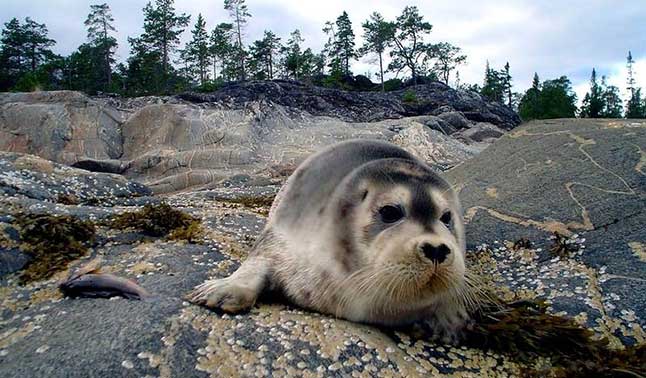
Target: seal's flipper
(235, 293)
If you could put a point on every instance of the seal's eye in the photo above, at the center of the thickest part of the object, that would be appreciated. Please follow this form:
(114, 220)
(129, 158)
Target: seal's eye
(446, 219)
(391, 214)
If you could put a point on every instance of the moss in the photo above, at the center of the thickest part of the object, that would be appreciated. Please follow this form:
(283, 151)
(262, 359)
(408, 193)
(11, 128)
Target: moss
(53, 242)
(525, 331)
(160, 220)
(409, 97)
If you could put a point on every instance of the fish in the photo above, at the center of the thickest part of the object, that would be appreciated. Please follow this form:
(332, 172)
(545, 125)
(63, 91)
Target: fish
(89, 282)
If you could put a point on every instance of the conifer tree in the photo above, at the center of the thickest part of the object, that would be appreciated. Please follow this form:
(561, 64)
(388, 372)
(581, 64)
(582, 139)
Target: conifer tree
(494, 85)
(99, 25)
(197, 51)
(239, 14)
(221, 47)
(162, 29)
(593, 102)
(344, 42)
(635, 108)
(25, 48)
(612, 104)
(293, 55)
(447, 58)
(506, 84)
(377, 35)
(409, 46)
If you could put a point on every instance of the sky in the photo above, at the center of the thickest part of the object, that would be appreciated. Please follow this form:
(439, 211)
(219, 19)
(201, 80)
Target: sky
(550, 37)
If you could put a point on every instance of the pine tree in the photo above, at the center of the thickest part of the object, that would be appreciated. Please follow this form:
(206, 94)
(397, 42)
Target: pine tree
(409, 46)
(593, 102)
(377, 35)
(25, 48)
(263, 54)
(494, 85)
(239, 14)
(612, 104)
(197, 51)
(344, 43)
(221, 47)
(634, 106)
(162, 29)
(447, 58)
(292, 55)
(529, 107)
(99, 25)
(551, 99)
(506, 84)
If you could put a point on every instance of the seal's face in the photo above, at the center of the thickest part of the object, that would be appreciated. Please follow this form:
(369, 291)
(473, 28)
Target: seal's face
(412, 238)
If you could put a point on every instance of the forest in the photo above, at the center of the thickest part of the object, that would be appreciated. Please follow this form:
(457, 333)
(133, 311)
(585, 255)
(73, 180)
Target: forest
(159, 65)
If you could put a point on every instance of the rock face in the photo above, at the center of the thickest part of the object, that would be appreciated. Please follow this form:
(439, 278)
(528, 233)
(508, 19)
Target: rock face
(580, 177)
(585, 179)
(259, 129)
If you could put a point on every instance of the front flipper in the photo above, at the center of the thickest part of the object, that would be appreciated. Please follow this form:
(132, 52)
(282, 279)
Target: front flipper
(448, 323)
(237, 292)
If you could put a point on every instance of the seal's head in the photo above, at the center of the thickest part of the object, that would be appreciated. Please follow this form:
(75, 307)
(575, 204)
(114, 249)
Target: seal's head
(400, 229)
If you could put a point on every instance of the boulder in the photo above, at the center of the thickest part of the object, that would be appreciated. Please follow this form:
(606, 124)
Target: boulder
(583, 178)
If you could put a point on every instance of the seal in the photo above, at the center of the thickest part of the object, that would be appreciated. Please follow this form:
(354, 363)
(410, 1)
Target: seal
(364, 231)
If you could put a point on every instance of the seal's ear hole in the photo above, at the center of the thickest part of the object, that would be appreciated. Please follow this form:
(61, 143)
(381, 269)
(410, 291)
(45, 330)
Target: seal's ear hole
(446, 218)
(391, 214)
(364, 195)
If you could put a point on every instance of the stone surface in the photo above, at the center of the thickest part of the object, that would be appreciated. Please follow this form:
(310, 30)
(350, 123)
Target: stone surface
(583, 178)
(261, 129)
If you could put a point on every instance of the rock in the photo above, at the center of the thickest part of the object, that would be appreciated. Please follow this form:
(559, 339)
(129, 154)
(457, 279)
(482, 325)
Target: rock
(259, 129)
(583, 178)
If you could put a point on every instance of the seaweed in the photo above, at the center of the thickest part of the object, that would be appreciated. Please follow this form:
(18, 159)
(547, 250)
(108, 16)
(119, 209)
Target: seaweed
(524, 331)
(522, 243)
(562, 246)
(53, 242)
(258, 203)
(161, 220)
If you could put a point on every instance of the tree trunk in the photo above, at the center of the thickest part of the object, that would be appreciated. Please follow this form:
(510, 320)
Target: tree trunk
(381, 70)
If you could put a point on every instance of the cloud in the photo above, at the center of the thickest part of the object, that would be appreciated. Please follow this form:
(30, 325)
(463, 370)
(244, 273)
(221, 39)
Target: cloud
(548, 37)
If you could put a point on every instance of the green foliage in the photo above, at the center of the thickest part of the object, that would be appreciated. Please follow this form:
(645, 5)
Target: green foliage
(409, 97)
(377, 36)
(447, 58)
(53, 242)
(409, 47)
(262, 56)
(552, 99)
(495, 85)
(25, 48)
(151, 71)
(393, 85)
(344, 42)
(593, 102)
(239, 13)
(635, 106)
(221, 48)
(99, 25)
(197, 53)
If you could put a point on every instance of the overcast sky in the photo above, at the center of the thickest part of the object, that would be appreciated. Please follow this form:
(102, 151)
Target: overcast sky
(550, 37)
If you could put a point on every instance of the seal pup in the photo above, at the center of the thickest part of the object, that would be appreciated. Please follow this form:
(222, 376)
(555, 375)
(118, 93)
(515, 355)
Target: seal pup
(364, 231)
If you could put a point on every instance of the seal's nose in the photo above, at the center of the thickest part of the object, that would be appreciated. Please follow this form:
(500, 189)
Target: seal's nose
(435, 254)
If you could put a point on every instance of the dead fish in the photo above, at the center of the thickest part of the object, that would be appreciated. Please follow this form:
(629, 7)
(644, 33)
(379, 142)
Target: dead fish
(89, 282)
